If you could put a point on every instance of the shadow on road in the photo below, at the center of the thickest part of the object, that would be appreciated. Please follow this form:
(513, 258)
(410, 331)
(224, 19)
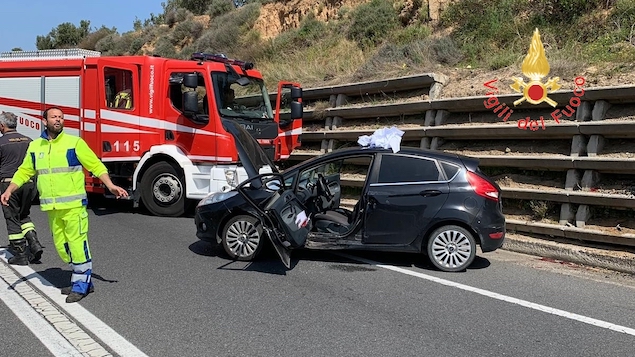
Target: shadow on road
(268, 262)
(60, 278)
(403, 260)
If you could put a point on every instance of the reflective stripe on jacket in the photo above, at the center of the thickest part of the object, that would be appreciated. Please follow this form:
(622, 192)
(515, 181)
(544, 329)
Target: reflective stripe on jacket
(58, 166)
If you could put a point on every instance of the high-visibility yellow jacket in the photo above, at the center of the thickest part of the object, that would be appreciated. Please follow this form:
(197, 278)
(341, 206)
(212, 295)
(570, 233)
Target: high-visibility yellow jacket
(58, 166)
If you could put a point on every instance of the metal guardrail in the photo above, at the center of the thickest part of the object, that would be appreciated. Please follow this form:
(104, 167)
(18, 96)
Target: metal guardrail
(575, 197)
(561, 195)
(613, 95)
(360, 89)
(555, 163)
(581, 234)
(622, 129)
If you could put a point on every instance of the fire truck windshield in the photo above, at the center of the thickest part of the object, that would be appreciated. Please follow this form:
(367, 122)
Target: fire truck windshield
(249, 101)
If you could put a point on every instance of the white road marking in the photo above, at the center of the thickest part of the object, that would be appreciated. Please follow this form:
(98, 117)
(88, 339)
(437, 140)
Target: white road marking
(51, 339)
(497, 296)
(90, 322)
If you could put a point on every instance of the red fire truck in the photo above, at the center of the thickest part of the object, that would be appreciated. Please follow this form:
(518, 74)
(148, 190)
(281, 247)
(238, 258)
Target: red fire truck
(157, 123)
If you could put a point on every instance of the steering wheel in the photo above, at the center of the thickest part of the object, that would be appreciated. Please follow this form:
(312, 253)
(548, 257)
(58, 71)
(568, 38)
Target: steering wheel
(323, 187)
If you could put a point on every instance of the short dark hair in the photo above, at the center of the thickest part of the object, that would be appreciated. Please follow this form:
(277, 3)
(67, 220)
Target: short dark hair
(46, 112)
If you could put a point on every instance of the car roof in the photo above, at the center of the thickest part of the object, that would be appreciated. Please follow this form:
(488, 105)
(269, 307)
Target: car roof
(354, 151)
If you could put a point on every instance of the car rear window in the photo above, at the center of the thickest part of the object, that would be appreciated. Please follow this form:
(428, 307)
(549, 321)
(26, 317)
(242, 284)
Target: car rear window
(397, 168)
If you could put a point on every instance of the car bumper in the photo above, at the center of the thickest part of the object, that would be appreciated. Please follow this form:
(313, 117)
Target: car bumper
(490, 227)
(206, 228)
(492, 237)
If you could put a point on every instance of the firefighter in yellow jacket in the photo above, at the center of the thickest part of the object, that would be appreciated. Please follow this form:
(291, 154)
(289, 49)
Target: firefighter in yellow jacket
(57, 159)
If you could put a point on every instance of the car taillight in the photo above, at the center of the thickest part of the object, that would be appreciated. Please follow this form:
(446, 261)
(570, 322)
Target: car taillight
(482, 187)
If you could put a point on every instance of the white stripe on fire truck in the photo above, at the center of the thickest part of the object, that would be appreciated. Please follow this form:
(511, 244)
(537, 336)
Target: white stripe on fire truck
(297, 131)
(123, 158)
(152, 123)
(89, 126)
(105, 128)
(23, 111)
(18, 110)
(71, 117)
(90, 114)
(209, 158)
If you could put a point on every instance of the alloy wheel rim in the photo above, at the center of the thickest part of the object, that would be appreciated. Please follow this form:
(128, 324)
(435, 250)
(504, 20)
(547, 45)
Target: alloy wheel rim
(451, 249)
(242, 238)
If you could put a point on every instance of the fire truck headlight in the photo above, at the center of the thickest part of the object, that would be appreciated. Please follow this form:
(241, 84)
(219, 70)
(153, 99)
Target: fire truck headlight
(232, 178)
(216, 197)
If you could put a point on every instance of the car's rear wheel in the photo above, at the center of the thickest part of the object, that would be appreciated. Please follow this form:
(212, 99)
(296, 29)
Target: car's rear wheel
(451, 248)
(242, 237)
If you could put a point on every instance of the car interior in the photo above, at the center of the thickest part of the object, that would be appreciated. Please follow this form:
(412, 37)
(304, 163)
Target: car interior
(319, 189)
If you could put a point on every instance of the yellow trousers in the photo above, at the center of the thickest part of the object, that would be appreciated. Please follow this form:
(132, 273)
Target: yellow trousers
(70, 236)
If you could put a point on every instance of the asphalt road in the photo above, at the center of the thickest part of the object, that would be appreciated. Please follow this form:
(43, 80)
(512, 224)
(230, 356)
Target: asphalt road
(161, 292)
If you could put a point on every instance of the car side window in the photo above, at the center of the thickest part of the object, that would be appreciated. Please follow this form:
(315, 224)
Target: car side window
(450, 170)
(399, 168)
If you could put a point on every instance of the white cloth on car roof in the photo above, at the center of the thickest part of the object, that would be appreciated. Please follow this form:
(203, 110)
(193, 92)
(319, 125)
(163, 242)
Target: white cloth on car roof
(387, 138)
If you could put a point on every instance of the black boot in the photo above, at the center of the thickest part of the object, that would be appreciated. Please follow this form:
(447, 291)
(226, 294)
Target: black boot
(20, 256)
(34, 245)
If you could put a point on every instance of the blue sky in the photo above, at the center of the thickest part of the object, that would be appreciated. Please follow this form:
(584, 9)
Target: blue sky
(22, 21)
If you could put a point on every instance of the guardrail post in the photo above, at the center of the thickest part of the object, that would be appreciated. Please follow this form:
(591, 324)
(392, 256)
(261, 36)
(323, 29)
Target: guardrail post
(567, 212)
(428, 121)
(339, 101)
(328, 125)
(591, 178)
(434, 118)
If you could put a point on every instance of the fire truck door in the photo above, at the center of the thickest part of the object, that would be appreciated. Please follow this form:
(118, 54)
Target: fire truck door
(288, 114)
(118, 119)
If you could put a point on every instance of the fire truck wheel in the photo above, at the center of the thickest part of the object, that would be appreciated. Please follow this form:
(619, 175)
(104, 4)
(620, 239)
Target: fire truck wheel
(242, 237)
(163, 190)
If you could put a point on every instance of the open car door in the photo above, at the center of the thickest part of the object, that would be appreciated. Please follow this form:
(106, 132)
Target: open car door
(285, 220)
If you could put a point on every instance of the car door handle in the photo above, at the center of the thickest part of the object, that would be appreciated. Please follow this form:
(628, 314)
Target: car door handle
(430, 193)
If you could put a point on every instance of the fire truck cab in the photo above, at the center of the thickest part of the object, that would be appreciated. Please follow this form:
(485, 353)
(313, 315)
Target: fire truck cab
(157, 123)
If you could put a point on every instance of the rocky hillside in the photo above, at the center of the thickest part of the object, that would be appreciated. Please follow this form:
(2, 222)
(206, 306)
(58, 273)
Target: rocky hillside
(324, 42)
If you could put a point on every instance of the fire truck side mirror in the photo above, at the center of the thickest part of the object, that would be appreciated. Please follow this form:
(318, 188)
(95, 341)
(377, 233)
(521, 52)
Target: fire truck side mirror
(190, 80)
(296, 110)
(190, 108)
(296, 93)
(190, 103)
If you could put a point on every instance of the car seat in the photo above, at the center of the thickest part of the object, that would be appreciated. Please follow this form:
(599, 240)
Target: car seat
(337, 220)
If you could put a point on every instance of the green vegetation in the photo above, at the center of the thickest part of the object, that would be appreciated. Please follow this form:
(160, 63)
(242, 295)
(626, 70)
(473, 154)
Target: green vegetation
(378, 38)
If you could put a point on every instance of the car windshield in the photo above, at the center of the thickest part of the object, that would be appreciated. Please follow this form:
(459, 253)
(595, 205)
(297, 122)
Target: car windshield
(247, 101)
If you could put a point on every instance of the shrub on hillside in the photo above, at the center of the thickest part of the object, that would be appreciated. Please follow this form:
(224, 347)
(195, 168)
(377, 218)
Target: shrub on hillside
(106, 43)
(176, 15)
(90, 41)
(219, 7)
(164, 48)
(185, 30)
(115, 44)
(372, 22)
(226, 31)
(136, 45)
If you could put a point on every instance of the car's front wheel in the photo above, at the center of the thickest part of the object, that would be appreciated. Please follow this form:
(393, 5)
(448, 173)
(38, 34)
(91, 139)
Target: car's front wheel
(451, 248)
(242, 237)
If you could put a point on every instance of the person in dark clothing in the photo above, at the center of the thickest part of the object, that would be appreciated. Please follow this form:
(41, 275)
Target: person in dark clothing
(22, 235)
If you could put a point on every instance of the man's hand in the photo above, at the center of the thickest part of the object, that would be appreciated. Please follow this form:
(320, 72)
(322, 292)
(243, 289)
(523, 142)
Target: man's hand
(117, 191)
(5, 197)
